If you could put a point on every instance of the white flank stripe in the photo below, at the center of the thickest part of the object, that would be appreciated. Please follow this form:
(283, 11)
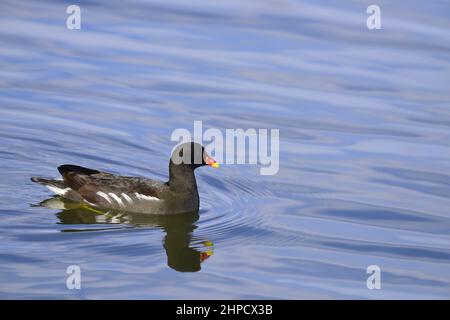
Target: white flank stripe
(144, 197)
(90, 203)
(126, 197)
(57, 190)
(119, 201)
(103, 195)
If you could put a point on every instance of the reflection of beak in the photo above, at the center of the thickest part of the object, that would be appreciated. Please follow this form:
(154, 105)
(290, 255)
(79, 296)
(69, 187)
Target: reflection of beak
(208, 252)
(211, 162)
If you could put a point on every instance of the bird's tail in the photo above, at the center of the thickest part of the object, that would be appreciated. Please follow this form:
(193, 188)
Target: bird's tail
(57, 186)
(49, 182)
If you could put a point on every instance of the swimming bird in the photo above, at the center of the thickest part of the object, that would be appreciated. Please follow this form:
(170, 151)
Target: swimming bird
(135, 194)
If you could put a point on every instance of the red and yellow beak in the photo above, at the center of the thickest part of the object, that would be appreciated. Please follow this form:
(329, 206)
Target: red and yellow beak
(211, 162)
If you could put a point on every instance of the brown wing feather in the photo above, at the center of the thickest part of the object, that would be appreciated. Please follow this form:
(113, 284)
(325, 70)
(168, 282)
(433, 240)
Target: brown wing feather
(89, 193)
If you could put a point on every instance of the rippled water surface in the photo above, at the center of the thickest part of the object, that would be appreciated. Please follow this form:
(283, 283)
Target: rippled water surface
(364, 123)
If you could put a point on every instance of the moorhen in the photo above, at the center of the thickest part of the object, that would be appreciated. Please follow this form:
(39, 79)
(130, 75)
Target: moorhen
(134, 194)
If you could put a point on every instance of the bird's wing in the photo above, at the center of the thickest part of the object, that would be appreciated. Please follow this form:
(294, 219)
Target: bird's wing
(107, 190)
(123, 193)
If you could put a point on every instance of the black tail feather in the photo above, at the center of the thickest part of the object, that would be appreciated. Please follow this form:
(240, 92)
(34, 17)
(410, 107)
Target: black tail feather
(77, 169)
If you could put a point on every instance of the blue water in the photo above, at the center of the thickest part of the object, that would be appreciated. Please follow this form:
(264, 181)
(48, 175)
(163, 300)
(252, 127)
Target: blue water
(364, 123)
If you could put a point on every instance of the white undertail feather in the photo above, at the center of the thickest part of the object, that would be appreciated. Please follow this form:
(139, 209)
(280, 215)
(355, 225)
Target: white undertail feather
(58, 191)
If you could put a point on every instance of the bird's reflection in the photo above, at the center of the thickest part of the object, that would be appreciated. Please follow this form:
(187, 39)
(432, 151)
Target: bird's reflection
(184, 253)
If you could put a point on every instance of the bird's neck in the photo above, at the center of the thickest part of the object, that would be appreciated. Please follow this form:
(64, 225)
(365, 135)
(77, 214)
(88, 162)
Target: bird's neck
(182, 178)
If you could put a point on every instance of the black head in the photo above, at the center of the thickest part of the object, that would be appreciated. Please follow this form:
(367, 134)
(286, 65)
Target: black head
(192, 154)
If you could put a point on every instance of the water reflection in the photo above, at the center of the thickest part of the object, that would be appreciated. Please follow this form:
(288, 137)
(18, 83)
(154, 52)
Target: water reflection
(185, 253)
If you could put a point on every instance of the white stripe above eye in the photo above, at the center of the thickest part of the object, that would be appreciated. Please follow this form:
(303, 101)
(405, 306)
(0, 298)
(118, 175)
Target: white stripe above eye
(127, 197)
(104, 196)
(119, 201)
(144, 197)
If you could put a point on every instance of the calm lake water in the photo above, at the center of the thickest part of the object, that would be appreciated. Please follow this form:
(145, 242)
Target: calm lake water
(364, 123)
